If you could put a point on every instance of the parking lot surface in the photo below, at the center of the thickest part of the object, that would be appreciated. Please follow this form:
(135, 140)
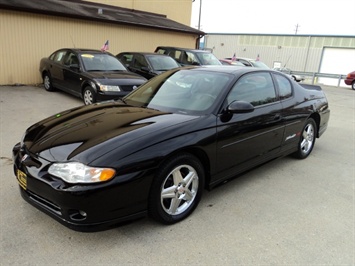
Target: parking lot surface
(287, 212)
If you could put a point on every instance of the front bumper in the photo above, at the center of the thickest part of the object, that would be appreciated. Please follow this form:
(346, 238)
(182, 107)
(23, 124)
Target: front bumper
(106, 96)
(348, 81)
(81, 207)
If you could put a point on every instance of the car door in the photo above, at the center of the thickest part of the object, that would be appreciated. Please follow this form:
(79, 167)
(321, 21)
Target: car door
(72, 74)
(246, 139)
(55, 68)
(291, 113)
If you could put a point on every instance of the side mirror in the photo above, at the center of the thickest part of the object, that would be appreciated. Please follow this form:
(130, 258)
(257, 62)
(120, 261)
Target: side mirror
(74, 66)
(239, 107)
(146, 69)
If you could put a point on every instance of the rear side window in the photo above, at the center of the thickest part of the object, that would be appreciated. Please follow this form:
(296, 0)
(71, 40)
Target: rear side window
(284, 85)
(176, 54)
(58, 57)
(161, 51)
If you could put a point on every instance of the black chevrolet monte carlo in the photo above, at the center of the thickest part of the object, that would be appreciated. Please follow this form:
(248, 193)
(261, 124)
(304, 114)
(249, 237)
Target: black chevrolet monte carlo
(156, 150)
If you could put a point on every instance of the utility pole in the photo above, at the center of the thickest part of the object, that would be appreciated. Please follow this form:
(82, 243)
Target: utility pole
(296, 30)
(199, 16)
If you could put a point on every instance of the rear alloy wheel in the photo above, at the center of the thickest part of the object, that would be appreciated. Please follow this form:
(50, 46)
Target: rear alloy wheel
(47, 82)
(89, 96)
(176, 189)
(307, 139)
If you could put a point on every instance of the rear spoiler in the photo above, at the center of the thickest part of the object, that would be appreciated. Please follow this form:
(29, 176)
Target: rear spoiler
(311, 87)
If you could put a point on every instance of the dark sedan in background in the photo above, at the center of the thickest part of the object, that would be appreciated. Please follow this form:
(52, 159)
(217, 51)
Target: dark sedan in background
(147, 65)
(187, 57)
(158, 148)
(92, 75)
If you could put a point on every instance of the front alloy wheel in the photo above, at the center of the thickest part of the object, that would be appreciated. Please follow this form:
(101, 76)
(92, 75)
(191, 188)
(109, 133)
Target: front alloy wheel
(89, 96)
(177, 189)
(307, 139)
(353, 85)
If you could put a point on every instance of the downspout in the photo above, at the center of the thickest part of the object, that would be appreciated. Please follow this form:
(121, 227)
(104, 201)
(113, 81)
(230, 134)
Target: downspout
(198, 39)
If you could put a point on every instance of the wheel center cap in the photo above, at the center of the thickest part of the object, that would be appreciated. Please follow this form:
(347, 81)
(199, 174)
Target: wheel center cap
(181, 189)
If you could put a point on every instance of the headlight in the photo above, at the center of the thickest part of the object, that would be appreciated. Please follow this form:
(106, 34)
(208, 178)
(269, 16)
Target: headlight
(74, 172)
(109, 88)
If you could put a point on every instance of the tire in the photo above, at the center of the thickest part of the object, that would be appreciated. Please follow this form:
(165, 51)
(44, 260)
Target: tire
(294, 78)
(47, 82)
(353, 85)
(89, 96)
(176, 189)
(307, 139)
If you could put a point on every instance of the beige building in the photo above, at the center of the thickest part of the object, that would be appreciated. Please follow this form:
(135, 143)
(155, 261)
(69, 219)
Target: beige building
(305, 53)
(30, 30)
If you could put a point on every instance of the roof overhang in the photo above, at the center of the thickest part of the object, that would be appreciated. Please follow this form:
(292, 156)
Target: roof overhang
(98, 12)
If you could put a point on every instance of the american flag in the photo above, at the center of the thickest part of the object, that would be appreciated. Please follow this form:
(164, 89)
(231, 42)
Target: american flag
(105, 46)
(234, 57)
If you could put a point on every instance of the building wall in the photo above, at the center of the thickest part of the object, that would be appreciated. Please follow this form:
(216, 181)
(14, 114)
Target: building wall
(25, 38)
(178, 10)
(299, 53)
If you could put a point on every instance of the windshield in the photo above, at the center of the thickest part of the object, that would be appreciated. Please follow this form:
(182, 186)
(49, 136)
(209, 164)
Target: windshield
(260, 64)
(101, 62)
(208, 59)
(183, 91)
(162, 63)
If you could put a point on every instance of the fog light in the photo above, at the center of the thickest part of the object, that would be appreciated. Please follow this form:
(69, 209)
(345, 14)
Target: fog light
(77, 215)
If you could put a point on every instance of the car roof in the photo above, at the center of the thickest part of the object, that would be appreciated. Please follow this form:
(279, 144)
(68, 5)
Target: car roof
(230, 69)
(144, 53)
(85, 50)
(183, 49)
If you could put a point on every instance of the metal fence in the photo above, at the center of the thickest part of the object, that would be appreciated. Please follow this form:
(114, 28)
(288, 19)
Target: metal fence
(312, 77)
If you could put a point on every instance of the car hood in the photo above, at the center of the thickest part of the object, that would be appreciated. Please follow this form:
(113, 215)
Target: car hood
(88, 132)
(111, 77)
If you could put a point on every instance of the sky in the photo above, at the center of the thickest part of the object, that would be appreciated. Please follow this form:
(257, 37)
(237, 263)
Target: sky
(315, 17)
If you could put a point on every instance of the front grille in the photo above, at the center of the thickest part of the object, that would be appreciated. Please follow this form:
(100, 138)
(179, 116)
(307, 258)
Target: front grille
(128, 87)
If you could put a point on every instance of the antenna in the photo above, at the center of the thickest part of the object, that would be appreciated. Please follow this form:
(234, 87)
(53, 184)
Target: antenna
(287, 60)
(72, 41)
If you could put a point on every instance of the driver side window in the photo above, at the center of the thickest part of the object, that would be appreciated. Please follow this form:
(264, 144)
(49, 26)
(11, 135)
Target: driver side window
(140, 61)
(71, 59)
(256, 88)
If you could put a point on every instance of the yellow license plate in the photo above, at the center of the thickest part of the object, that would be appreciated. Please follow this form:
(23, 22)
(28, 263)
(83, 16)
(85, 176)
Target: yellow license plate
(22, 179)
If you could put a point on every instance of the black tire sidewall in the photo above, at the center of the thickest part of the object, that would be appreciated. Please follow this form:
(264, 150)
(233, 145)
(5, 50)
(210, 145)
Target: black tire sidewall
(155, 210)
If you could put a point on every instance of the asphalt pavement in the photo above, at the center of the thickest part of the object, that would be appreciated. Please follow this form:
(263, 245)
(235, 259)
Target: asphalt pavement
(287, 212)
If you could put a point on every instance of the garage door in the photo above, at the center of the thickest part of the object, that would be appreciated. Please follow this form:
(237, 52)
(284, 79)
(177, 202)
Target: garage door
(336, 61)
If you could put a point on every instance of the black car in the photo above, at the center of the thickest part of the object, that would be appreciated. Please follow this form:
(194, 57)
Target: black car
(186, 57)
(147, 65)
(92, 75)
(156, 150)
